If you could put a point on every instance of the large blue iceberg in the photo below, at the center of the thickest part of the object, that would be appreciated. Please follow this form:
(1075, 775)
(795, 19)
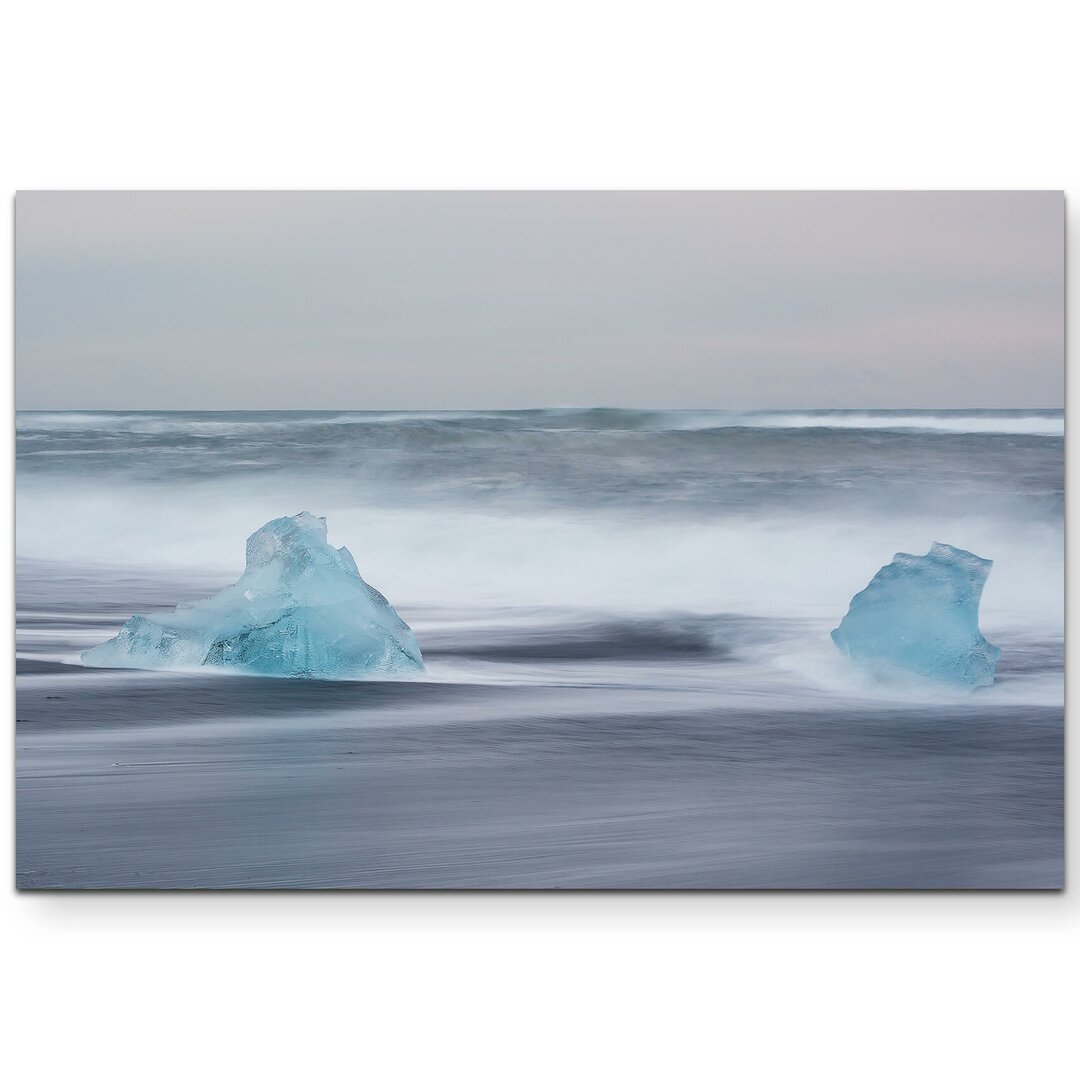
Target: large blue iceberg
(921, 613)
(300, 610)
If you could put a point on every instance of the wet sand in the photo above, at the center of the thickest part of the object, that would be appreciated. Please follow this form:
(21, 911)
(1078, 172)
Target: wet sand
(155, 780)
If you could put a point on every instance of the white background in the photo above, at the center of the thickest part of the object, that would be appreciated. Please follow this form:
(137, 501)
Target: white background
(468, 94)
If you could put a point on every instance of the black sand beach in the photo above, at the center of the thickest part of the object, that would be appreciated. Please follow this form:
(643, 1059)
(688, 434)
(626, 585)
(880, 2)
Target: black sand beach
(136, 780)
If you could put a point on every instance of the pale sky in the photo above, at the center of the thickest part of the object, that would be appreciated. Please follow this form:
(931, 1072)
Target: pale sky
(445, 300)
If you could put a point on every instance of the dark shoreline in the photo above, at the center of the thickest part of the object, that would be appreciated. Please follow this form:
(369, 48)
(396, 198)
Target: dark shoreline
(159, 781)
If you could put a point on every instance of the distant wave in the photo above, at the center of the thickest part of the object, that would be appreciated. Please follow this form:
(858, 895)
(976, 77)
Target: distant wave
(1046, 422)
(1038, 422)
(224, 422)
(974, 423)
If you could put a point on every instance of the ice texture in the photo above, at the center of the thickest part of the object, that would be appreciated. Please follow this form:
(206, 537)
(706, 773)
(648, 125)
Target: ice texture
(921, 613)
(300, 610)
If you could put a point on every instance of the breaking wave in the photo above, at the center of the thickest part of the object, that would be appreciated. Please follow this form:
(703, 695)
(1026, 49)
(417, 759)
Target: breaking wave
(664, 538)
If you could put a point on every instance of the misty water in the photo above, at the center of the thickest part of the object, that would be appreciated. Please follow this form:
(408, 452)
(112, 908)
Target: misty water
(625, 619)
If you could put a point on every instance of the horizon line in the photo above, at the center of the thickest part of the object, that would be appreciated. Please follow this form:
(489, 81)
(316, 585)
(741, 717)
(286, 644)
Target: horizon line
(577, 408)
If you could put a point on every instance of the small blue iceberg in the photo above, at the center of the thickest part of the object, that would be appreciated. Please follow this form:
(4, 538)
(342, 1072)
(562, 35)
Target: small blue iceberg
(301, 610)
(921, 613)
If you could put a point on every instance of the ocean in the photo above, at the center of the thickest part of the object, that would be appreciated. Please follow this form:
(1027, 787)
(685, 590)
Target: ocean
(625, 618)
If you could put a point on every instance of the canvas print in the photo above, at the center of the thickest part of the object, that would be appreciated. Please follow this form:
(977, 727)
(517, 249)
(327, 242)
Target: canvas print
(539, 540)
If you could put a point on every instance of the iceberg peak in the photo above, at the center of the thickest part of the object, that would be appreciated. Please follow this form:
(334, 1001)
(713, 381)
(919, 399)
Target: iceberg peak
(300, 610)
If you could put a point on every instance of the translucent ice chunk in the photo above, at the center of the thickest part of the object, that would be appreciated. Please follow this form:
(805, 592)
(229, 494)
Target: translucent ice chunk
(921, 613)
(301, 609)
